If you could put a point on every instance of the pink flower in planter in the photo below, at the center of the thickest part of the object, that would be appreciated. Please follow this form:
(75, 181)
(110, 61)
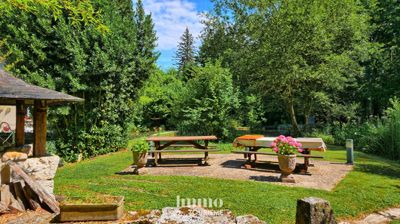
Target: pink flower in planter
(280, 137)
(286, 145)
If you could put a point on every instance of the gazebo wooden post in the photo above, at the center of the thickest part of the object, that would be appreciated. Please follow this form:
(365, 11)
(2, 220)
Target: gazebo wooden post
(39, 128)
(20, 123)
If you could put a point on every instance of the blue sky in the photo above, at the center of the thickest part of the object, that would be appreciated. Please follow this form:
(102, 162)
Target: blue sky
(171, 17)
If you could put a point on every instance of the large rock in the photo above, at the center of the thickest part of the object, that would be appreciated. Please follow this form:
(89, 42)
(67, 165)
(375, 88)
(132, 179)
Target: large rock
(193, 215)
(314, 211)
(248, 219)
(41, 169)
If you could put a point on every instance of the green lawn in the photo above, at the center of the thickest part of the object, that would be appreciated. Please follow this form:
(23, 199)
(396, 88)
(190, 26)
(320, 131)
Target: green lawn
(372, 186)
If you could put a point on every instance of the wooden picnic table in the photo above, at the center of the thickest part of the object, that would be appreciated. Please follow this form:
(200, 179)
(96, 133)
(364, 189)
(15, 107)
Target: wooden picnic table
(253, 143)
(162, 142)
(256, 142)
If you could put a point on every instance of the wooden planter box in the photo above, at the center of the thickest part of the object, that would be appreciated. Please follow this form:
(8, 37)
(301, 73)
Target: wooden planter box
(110, 210)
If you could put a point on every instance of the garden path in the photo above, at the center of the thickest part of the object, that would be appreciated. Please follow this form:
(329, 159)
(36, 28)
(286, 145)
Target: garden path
(381, 217)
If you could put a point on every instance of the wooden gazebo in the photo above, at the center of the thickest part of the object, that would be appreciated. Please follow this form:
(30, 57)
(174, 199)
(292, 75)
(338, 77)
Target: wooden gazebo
(14, 91)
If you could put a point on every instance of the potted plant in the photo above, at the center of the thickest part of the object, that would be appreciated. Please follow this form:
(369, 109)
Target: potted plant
(139, 150)
(286, 147)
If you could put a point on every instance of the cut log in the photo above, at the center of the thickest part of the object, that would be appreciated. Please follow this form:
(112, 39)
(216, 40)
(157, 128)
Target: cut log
(5, 195)
(15, 204)
(31, 197)
(20, 196)
(38, 189)
(3, 208)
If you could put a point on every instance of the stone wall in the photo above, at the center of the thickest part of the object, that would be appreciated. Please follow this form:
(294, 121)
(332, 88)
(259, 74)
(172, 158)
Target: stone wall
(41, 169)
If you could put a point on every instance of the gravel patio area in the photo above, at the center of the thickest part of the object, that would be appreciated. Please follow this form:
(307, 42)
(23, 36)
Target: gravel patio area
(324, 175)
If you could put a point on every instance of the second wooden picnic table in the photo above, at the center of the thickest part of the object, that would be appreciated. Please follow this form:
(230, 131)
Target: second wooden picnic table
(252, 143)
(162, 142)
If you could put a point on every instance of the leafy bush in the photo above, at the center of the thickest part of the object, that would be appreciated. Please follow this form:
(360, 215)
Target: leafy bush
(380, 136)
(360, 132)
(139, 146)
(386, 139)
(157, 97)
(85, 144)
(252, 112)
(208, 104)
(327, 138)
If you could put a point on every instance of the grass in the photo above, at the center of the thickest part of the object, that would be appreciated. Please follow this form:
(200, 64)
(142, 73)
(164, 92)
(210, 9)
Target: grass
(372, 186)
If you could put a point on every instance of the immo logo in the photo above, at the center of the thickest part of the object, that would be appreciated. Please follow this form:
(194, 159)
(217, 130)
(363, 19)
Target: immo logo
(199, 202)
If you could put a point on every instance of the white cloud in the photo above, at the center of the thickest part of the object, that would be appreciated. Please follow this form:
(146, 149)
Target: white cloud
(171, 17)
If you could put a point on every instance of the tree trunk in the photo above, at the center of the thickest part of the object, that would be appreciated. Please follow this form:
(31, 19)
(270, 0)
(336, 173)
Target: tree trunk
(295, 127)
(306, 123)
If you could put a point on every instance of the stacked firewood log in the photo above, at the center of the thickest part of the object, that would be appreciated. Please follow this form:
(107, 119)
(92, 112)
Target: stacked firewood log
(23, 195)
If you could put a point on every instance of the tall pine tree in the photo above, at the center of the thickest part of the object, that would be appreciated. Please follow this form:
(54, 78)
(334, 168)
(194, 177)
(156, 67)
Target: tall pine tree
(185, 55)
(146, 39)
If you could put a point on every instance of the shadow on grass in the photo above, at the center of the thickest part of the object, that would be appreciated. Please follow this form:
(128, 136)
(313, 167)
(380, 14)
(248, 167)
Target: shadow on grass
(128, 171)
(382, 170)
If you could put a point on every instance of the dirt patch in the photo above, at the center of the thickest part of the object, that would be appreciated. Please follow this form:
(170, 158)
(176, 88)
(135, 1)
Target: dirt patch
(38, 217)
(324, 175)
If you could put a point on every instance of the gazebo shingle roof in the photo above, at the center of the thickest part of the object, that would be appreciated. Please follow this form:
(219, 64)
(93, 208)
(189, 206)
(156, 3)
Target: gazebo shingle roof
(13, 89)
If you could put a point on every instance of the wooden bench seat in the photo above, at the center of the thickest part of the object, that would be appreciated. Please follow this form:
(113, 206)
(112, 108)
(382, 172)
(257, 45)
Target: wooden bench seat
(274, 154)
(157, 153)
(163, 142)
(189, 146)
(178, 151)
(304, 168)
(181, 145)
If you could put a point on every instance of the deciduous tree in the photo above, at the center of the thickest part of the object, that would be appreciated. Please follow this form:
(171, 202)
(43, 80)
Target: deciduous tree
(300, 54)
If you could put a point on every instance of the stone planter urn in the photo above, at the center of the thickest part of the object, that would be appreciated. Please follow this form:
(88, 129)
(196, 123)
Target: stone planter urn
(287, 163)
(140, 160)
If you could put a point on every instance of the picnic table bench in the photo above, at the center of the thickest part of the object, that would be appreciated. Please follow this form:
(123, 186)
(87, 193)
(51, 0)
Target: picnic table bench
(304, 166)
(162, 142)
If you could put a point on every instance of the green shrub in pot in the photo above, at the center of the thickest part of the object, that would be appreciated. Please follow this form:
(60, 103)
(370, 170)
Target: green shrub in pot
(139, 150)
